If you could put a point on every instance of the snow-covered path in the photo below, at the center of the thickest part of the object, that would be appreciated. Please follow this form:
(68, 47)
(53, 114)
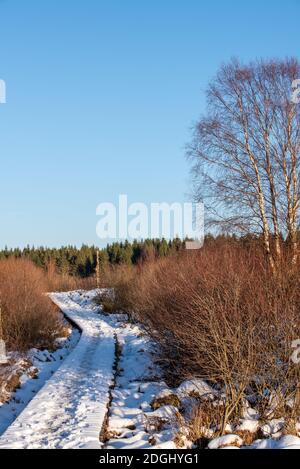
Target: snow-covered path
(69, 411)
(101, 395)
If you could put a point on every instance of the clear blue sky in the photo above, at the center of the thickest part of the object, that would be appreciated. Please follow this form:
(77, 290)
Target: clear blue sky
(101, 95)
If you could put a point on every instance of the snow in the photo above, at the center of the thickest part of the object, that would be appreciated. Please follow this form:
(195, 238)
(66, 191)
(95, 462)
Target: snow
(68, 412)
(250, 414)
(250, 421)
(196, 387)
(248, 425)
(286, 442)
(226, 441)
(273, 427)
(45, 363)
(132, 422)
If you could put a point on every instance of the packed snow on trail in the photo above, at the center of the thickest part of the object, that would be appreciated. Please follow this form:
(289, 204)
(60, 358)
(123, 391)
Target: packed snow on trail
(71, 409)
(109, 393)
(25, 374)
(67, 412)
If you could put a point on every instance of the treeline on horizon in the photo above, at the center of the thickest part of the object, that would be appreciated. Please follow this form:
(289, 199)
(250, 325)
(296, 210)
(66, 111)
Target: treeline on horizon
(71, 260)
(74, 261)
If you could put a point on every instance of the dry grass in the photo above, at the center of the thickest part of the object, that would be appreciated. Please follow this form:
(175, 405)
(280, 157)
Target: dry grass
(64, 282)
(247, 437)
(117, 278)
(170, 399)
(10, 376)
(29, 318)
(205, 417)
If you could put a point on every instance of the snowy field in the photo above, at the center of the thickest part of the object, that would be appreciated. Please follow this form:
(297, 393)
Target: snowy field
(105, 390)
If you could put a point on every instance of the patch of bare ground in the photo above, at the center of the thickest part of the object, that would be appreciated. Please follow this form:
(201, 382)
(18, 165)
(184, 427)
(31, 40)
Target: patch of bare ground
(10, 375)
(106, 434)
(170, 399)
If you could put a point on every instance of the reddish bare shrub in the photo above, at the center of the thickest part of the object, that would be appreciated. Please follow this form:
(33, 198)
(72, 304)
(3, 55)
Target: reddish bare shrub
(117, 278)
(29, 318)
(219, 314)
(64, 282)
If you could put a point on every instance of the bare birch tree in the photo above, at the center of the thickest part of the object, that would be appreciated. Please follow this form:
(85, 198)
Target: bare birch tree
(246, 152)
